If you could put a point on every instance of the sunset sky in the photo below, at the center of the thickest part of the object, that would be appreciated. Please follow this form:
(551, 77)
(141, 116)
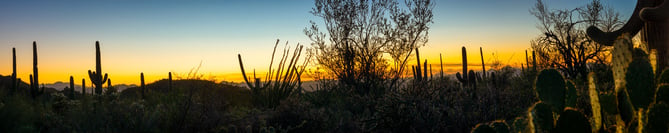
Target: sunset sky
(161, 36)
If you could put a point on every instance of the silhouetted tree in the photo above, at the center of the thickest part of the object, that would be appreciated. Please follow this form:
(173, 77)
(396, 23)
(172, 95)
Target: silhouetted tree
(564, 43)
(361, 33)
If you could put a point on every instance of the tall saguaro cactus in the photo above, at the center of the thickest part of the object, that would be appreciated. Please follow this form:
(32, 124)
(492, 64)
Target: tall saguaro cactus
(34, 86)
(142, 85)
(96, 76)
(463, 78)
(441, 64)
(418, 71)
(83, 87)
(15, 83)
(169, 86)
(71, 89)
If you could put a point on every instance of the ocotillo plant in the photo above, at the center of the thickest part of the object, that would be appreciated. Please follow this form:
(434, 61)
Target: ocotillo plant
(71, 89)
(143, 86)
(463, 78)
(279, 83)
(34, 90)
(96, 76)
(482, 62)
(15, 83)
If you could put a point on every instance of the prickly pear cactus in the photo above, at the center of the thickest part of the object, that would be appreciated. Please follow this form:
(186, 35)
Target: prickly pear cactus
(621, 57)
(500, 126)
(640, 83)
(662, 94)
(609, 109)
(570, 101)
(639, 53)
(664, 77)
(520, 125)
(572, 121)
(541, 117)
(483, 128)
(550, 88)
(625, 106)
(594, 101)
(658, 118)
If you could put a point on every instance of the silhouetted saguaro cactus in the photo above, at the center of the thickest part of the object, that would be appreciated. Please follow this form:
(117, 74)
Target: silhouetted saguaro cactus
(441, 64)
(418, 71)
(169, 81)
(425, 70)
(463, 77)
(34, 91)
(83, 87)
(534, 61)
(143, 86)
(15, 83)
(71, 89)
(96, 76)
(110, 87)
(527, 60)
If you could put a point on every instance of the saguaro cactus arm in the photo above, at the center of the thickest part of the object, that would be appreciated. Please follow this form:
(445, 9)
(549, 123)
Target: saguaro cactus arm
(658, 13)
(633, 25)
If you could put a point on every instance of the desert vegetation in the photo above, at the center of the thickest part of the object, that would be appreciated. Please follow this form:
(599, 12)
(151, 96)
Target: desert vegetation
(575, 78)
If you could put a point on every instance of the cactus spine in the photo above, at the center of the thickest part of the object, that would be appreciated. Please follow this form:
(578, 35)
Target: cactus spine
(15, 83)
(96, 76)
(143, 86)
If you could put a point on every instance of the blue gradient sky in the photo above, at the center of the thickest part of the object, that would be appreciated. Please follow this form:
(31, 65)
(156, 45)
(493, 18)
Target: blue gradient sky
(156, 37)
